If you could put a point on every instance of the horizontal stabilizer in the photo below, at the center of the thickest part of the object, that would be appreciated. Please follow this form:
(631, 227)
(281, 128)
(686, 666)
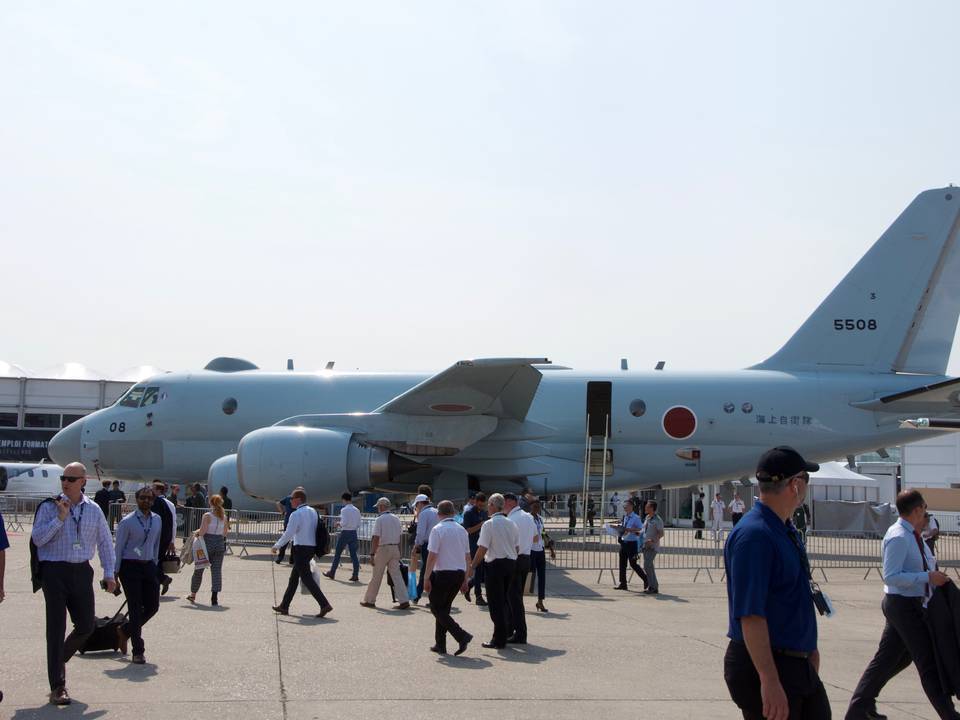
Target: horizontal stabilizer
(940, 399)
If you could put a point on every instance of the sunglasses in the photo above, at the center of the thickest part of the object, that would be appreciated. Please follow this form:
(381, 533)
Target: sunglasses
(71, 478)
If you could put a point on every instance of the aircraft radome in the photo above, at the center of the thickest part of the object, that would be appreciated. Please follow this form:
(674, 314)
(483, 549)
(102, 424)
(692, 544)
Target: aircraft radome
(873, 354)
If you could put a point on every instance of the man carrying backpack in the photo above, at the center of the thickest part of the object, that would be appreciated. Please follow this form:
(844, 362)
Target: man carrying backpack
(302, 530)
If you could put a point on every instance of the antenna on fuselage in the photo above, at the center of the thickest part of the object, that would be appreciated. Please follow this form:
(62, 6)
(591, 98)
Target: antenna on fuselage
(661, 365)
(289, 363)
(623, 364)
(330, 365)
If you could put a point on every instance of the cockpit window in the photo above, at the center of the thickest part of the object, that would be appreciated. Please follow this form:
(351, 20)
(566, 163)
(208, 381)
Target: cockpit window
(150, 396)
(132, 397)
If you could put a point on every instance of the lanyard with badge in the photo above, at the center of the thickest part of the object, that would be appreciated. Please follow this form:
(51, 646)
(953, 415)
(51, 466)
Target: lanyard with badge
(146, 534)
(820, 599)
(77, 545)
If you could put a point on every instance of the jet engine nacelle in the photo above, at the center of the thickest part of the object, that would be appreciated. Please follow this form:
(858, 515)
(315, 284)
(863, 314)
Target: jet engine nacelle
(273, 460)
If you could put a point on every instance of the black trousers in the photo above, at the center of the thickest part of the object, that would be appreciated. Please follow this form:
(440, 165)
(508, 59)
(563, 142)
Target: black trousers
(573, 517)
(538, 566)
(518, 616)
(476, 582)
(445, 584)
(141, 585)
(905, 639)
(300, 573)
(628, 554)
(498, 575)
(805, 692)
(67, 587)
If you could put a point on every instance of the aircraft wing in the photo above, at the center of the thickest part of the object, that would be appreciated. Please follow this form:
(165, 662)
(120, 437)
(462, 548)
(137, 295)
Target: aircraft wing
(941, 399)
(497, 387)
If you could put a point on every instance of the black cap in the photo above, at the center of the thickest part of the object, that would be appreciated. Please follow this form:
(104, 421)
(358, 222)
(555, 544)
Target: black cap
(782, 462)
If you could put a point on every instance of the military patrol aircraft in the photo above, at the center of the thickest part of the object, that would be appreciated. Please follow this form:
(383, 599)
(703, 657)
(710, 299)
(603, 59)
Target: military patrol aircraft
(871, 355)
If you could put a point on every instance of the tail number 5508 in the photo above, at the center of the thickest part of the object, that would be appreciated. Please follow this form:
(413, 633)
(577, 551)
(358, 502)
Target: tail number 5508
(855, 324)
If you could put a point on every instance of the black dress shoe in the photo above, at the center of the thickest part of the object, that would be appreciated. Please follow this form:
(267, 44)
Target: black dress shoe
(139, 659)
(355, 578)
(324, 610)
(328, 574)
(621, 586)
(516, 641)
(462, 645)
(493, 645)
(438, 650)
(279, 609)
(60, 697)
(651, 592)
(165, 586)
(874, 715)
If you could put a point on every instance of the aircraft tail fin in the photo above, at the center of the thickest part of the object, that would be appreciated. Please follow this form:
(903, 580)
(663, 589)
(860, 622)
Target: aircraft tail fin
(897, 309)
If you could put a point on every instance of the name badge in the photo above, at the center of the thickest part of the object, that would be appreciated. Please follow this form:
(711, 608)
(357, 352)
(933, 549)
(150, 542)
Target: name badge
(77, 546)
(138, 551)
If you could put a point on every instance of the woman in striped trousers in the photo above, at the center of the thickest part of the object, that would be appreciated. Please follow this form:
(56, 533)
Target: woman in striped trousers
(213, 528)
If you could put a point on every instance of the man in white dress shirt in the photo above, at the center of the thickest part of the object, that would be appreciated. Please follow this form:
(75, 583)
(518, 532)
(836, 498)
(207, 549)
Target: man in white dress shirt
(448, 558)
(349, 523)
(385, 555)
(302, 530)
(716, 510)
(497, 547)
(737, 506)
(527, 535)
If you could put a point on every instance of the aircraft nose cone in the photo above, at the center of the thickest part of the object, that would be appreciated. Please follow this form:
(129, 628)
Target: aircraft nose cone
(64, 447)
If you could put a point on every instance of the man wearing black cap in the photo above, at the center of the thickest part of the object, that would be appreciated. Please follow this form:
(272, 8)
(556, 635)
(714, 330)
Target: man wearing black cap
(772, 663)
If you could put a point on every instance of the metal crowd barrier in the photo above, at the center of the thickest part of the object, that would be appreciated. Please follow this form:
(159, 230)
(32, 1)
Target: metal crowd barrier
(680, 548)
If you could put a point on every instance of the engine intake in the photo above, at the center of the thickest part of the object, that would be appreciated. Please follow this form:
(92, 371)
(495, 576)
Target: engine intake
(271, 461)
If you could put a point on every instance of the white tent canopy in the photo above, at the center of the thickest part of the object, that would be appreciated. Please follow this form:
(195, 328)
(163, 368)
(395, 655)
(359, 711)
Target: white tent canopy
(837, 474)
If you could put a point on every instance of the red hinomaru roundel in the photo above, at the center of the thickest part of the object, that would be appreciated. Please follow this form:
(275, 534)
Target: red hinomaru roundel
(679, 422)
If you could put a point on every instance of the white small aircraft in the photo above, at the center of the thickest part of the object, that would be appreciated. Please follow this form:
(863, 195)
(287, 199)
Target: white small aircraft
(872, 354)
(20, 478)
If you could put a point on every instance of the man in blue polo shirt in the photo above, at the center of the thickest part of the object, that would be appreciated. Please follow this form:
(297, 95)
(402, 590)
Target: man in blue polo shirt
(772, 663)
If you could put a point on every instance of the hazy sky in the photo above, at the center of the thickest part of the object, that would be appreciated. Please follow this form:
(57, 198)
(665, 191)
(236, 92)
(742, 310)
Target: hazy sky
(401, 185)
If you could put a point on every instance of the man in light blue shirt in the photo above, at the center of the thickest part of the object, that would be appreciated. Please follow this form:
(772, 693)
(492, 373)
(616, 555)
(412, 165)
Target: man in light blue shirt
(137, 545)
(426, 519)
(909, 575)
(631, 537)
(66, 532)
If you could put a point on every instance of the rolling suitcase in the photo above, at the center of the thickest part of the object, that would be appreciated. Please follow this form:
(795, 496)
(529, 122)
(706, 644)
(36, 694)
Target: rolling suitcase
(104, 635)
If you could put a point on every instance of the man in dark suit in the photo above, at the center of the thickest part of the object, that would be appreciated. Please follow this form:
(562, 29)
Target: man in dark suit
(102, 498)
(162, 509)
(473, 520)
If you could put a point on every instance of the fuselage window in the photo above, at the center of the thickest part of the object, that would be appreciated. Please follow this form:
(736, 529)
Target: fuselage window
(45, 473)
(150, 396)
(132, 397)
(229, 406)
(638, 408)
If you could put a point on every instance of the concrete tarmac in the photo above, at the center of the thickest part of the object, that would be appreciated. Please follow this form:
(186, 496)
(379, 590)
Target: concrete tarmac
(597, 650)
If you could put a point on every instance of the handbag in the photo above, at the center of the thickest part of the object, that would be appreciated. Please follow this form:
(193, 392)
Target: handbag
(170, 564)
(201, 559)
(186, 554)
